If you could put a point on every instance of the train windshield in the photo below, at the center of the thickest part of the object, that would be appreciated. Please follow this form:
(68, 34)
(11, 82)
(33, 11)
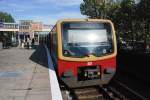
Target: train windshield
(86, 38)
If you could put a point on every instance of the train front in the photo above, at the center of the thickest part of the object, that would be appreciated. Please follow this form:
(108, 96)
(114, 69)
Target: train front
(87, 52)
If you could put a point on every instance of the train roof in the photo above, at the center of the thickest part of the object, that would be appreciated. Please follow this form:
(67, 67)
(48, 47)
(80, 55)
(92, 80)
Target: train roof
(82, 20)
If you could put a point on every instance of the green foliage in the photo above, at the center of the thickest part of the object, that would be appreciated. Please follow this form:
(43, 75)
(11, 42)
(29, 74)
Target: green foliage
(131, 20)
(89, 8)
(96, 8)
(143, 9)
(143, 17)
(5, 17)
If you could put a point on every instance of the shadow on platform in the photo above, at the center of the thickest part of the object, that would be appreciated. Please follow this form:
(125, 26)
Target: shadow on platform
(39, 56)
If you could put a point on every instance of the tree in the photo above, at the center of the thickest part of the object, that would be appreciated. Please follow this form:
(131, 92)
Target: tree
(89, 8)
(145, 12)
(127, 17)
(120, 12)
(131, 20)
(5, 17)
(96, 8)
(143, 17)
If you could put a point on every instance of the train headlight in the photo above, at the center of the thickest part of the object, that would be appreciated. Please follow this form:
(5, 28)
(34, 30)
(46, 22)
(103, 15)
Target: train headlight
(85, 74)
(98, 73)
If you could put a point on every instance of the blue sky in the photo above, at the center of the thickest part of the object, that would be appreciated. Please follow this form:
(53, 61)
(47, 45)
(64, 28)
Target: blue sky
(47, 11)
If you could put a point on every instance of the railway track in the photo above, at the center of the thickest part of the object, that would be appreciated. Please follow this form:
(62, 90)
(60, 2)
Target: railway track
(108, 92)
(129, 93)
(93, 93)
(87, 93)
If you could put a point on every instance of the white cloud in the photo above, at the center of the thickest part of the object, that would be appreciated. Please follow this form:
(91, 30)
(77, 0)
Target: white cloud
(53, 18)
(70, 14)
(19, 10)
(65, 15)
(20, 7)
(56, 10)
(61, 2)
(68, 2)
(43, 1)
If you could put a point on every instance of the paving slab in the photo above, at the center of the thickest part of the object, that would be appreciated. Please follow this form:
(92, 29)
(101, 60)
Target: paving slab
(24, 74)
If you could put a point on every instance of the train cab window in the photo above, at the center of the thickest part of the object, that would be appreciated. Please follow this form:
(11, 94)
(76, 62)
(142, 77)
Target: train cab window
(81, 39)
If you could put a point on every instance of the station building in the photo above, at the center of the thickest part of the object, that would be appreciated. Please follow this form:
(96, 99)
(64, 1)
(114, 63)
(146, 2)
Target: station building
(40, 31)
(15, 32)
(36, 27)
(25, 29)
(8, 32)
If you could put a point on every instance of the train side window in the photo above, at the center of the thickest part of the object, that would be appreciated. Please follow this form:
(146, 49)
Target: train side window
(54, 40)
(48, 41)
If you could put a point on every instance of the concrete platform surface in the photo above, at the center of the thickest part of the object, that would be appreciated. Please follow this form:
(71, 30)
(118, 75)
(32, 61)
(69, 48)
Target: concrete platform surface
(22, 76)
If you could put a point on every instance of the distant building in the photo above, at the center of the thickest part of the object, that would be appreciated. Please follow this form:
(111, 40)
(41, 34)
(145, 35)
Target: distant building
(25, 28)
(25, 22)
(8, 31)
(45, 30)
(36, 26)
(9, 27)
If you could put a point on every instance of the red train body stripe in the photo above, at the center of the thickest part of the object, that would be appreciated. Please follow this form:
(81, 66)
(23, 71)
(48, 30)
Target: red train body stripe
(64, 66)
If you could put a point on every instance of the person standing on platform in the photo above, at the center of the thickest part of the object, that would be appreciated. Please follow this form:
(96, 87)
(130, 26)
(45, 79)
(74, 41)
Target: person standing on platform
(30, 43)
(22, 43)
(19, 43)
(4, 43)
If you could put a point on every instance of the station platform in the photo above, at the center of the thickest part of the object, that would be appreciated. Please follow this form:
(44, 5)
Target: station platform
(24, 74)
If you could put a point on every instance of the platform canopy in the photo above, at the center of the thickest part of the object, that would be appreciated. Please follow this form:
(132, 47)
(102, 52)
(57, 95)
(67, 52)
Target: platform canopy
(9, 27)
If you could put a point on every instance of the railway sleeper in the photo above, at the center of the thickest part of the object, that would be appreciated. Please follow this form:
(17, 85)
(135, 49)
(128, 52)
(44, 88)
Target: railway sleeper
(91, 97)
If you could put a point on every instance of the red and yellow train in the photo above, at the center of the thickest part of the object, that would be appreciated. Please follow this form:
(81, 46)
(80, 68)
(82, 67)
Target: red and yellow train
(83, 51)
